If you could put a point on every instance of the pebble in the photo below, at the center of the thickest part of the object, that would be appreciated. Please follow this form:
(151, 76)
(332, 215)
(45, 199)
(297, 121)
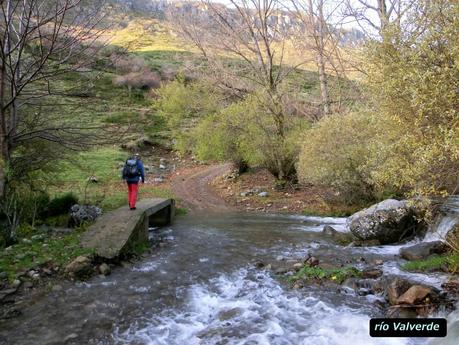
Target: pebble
(104, 269)
(28, 285)
(57, 288)
(16, 283)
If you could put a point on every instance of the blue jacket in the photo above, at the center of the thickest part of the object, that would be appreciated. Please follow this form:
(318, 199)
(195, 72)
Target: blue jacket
(136, 179)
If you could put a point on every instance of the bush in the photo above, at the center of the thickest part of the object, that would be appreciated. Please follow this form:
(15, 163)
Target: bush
(344, 151)
(61, 204)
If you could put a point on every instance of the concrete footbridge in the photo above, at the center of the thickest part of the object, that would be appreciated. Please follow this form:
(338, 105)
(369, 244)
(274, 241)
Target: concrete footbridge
(120, 232)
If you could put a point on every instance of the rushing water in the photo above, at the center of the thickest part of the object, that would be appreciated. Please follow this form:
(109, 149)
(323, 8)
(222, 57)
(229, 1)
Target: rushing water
(448, 218)
(202, 288)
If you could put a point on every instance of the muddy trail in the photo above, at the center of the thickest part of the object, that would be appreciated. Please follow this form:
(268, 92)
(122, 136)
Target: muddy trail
(195, 191)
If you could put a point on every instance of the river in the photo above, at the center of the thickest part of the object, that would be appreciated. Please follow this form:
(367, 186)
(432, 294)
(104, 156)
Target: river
(202, 287)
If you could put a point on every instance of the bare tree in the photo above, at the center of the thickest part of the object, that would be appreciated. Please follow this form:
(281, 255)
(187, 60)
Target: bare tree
(373, 16)
(41, 40)
(244, 45)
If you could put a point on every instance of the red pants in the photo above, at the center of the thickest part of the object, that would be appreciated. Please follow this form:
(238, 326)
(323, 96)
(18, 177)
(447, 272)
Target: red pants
(132, 193)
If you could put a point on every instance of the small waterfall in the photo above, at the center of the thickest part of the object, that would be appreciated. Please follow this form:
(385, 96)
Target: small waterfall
(448, 218)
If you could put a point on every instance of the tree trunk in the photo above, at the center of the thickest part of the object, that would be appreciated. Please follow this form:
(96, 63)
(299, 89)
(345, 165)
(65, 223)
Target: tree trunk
(321, 62)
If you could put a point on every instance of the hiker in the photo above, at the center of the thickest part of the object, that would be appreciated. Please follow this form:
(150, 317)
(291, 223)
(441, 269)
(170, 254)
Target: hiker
(133, 172)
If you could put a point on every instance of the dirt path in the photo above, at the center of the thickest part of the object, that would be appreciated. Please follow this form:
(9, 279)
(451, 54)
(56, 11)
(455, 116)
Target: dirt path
(195, 190)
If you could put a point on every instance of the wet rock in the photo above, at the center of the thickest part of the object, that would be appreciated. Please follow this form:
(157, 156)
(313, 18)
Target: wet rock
(104, 269)
(423, 250)
(372, 273)
(28, 285)
(80, 268)
(80, 214)
(415, 294)
(397, 288)
(56, 288)
(312, 261)
(297, 266)
(281, 270)
(388, 221)
(329, 230)
(298, 285)
(5, 293)
(229, 314)
(259, 264)
(268, 267)
(378, 262)
(16, 283)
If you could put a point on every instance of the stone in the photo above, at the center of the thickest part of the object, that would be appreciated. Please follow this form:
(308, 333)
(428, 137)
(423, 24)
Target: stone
(28, 285)
(423, 250)
(56, 288)
(104, 269)
(80, 268)
(268, 267)
(298, 286)
(229, 314)
(378, 262)
(372, 273)
(414, 295)
(158, 179)
(263, 194)
(281, 270)
(279, 258)
(162, 167)
(388, 221)
(312, 261)
(16, 283)
(80, 214)
(297, 266)
(397, 288)
(93, 179)
(259, 264)
(329, 230)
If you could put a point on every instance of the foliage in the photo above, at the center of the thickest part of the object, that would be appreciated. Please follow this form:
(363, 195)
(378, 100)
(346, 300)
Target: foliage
(59, 251)
(413, 78)
(61, 204)
(434, 263)
(343, 151)
(337, 275)
(407, 143)
(182, 105)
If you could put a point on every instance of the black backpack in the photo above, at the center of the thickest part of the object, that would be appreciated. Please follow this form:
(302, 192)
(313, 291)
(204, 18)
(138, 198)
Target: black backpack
(131, 169)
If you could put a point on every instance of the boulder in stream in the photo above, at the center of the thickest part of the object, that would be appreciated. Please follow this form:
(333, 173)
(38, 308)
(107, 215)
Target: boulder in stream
(388, 221)
(423, 250)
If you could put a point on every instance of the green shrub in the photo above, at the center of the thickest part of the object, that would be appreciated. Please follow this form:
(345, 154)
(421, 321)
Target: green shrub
(344, 151)
(61, 204)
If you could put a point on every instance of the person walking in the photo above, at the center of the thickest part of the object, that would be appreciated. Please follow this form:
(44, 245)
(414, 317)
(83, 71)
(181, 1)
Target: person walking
(133, 172)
